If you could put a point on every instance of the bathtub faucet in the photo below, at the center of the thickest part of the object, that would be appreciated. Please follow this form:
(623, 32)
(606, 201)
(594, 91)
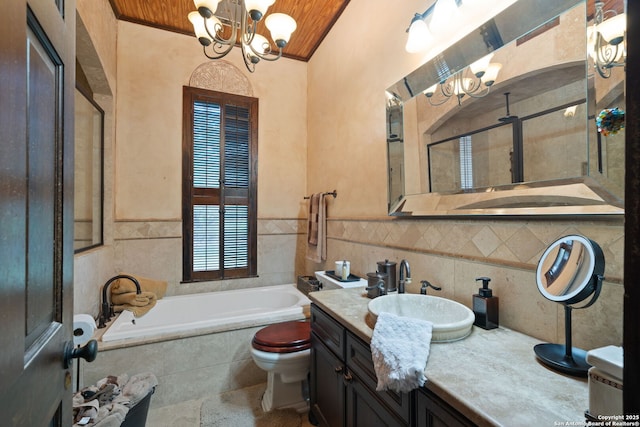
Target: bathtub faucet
(106, 313)
(404, 266)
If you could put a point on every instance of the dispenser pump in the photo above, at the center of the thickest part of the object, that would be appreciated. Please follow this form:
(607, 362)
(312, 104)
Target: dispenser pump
(484, 291)
(485, 306)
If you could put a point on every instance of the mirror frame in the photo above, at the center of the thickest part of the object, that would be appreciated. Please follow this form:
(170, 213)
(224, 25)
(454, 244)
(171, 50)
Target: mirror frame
(92, 226)
(580, 195)
(593, 272)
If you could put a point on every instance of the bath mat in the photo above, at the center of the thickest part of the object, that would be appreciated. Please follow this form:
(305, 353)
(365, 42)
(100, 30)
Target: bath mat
(241, 408)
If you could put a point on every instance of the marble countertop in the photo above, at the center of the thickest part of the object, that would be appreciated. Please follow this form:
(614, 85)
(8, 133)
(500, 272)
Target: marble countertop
(492, 377)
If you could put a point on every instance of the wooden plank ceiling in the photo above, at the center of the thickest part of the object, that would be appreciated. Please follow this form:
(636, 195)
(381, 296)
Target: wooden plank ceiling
(314, 18)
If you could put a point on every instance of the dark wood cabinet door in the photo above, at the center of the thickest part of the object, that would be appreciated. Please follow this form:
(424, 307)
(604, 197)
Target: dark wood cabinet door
(431, 411)
(327, 385)
(364, 409)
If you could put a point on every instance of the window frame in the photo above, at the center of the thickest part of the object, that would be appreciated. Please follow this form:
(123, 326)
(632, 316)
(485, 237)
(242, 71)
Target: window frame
(227, 196)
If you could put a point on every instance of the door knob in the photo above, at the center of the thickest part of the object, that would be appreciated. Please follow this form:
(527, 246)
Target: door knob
(88, 352)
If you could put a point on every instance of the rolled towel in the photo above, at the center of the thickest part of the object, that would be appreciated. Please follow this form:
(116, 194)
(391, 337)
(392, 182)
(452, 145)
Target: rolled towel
(131, 298)
(136, 310)
(122, 286)
(400, 350)
(139, 386)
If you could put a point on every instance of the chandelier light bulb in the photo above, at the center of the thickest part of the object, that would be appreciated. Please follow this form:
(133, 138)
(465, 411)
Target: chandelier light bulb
(491, 73)
(206, 8)
(443, 16)
(198, 23)
(479, 67)
(612, 29)
(419, 36)
(257, 8)
(431, 90)
(281, 26)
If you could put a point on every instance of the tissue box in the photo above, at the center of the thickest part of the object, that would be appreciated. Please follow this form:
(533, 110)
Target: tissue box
(605, 381)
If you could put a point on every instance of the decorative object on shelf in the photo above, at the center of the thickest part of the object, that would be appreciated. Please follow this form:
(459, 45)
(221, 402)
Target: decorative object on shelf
(222, 24)
(606, 40)
(610, 121)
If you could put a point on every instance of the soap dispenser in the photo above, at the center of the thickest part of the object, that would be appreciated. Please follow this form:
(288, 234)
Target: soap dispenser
(485, 306)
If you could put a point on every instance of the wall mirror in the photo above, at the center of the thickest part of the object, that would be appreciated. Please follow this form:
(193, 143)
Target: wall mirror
(88, 194)
(529, 143)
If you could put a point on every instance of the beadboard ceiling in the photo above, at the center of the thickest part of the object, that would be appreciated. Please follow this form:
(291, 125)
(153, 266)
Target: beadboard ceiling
(314, 18)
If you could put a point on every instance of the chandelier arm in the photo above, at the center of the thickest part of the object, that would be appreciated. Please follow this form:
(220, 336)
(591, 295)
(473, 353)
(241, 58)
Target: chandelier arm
(217, 52)
(251, 66)
(446, 89)
(436, 104)
(271, 57)
(215, 35)
(473, 87)
(481, 95)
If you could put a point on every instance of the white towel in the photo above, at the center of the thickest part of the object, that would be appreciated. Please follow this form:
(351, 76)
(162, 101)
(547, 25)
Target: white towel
(400, 349)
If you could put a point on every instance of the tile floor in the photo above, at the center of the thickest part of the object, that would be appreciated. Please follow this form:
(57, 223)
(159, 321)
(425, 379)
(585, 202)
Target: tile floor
(187, 414)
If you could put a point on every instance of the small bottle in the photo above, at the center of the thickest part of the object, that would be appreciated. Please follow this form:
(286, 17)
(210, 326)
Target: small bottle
(345, 270)
(485, 306)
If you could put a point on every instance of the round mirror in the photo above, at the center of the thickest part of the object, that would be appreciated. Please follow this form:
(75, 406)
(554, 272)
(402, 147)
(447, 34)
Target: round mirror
(569, 271)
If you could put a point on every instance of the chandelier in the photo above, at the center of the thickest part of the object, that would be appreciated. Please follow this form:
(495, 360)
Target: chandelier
(475, 80)
(220, 25)
(606, 40)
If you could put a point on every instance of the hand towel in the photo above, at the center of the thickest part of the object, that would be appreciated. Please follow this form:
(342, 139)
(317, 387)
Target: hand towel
(132, 298)
(316, 228)
(400, 349)
(136, 310)
(121, 286)
(312, 220)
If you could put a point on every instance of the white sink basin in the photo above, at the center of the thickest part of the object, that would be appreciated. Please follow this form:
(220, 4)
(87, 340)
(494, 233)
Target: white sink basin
(451, 320)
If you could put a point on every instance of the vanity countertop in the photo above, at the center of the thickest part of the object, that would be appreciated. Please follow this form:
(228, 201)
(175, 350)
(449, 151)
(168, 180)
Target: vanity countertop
(492, 377)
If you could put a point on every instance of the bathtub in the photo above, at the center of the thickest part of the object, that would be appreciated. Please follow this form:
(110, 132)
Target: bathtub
(203, 313)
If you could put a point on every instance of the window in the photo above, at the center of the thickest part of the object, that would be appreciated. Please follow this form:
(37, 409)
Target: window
(466, 163)
(219, 210)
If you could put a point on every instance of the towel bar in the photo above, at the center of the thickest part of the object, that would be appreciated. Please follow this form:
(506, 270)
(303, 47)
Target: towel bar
(333, 193)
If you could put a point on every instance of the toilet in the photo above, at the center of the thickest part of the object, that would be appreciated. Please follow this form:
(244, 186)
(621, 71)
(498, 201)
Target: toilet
(283, 350)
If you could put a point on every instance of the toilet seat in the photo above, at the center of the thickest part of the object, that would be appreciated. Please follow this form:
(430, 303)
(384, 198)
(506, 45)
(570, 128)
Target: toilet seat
(286, 337)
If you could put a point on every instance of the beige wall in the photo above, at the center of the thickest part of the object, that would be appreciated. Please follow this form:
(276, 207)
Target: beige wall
(348, 75)
(96, 51)
(322, 127)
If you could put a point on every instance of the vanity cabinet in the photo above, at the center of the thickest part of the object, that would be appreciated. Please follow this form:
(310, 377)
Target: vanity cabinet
(343, 383)
(431, 411)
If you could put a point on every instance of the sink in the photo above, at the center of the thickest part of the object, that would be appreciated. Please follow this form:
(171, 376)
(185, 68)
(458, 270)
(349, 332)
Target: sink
(451, 320)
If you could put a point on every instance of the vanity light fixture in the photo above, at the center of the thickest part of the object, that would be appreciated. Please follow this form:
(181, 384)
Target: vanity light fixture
(222, 24)
(606, 40)
(475, 80)
(438, 15)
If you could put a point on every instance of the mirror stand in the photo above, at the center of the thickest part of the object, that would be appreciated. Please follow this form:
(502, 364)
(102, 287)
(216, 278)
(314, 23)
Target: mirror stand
(564, 358)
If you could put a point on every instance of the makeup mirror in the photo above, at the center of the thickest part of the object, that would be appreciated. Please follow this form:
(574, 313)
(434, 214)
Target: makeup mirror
(570, 270)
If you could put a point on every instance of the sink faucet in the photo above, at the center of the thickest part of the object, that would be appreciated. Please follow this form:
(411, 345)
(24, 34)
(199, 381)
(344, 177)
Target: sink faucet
(426, 285)
(404, 266)
(106, 313)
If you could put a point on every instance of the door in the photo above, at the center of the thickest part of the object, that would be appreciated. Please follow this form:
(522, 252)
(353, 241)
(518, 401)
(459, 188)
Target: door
(327, 385)
(37, 74)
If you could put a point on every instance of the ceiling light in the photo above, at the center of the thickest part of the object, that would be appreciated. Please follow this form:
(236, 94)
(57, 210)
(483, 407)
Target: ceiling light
(220, 25)
(606, 40)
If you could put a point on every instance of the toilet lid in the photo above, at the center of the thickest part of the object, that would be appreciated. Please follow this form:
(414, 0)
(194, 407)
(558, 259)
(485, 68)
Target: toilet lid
(286, 337)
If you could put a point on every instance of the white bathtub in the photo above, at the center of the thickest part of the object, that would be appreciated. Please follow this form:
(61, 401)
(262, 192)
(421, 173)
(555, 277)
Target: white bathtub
(197, 314)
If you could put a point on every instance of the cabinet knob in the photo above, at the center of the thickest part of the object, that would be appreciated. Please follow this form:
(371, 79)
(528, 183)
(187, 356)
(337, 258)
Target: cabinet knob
(347, 377)
(338, 369)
